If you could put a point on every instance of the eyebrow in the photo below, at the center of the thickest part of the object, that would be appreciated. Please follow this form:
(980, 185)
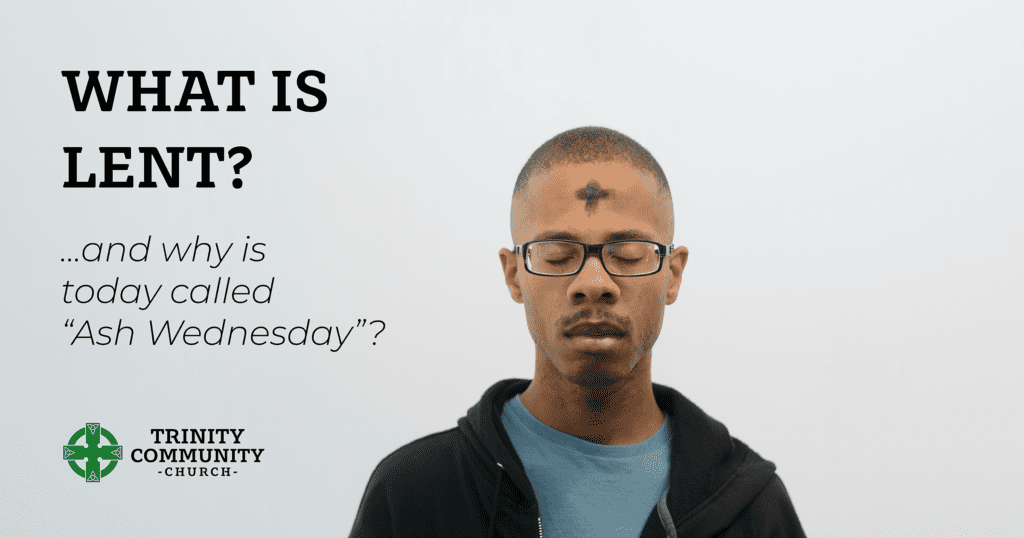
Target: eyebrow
(621, 235)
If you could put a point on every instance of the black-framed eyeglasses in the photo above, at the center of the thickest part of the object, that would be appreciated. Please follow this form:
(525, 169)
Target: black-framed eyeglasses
(559, 257)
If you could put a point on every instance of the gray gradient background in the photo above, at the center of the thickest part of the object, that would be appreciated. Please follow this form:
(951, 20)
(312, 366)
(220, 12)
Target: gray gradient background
(848, 179)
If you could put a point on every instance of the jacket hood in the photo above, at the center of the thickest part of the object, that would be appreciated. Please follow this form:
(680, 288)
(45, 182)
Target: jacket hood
(712, 476)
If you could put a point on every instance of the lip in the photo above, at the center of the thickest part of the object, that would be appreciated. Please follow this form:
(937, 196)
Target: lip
(596, 331)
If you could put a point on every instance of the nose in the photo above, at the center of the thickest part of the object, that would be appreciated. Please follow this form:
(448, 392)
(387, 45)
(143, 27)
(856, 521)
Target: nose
(593, 284)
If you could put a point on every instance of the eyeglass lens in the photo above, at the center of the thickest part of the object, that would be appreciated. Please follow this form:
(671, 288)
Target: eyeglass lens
(563, 258)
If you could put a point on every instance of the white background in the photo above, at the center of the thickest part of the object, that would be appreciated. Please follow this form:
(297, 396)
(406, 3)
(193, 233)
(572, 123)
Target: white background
(848, 179)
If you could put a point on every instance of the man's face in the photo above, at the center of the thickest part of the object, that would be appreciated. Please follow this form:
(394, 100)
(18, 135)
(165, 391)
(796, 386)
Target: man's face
(593, 328)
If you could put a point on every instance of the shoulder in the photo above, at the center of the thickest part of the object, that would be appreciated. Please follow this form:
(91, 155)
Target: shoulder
(406, 485)
(418, 461)
(772, 514)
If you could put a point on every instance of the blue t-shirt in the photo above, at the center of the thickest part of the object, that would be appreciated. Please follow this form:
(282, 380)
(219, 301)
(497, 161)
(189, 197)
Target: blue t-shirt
(586, 489)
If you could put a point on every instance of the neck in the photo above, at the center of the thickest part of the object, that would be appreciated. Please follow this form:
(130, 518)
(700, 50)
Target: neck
(620, 412)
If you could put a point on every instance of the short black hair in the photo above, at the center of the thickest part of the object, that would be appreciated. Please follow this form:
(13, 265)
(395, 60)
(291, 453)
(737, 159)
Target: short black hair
(589, 144)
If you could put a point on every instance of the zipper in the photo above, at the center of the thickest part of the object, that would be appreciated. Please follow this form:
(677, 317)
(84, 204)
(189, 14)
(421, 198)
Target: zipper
(540, 529)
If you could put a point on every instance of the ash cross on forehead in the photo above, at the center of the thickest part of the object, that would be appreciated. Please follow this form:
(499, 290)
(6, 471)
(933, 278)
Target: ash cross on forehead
(592, 193)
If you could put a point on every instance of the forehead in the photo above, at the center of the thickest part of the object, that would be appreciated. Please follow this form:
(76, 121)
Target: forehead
(592, 201)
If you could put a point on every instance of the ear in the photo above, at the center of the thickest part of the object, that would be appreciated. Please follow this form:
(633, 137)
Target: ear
(676, 262)
(510, 266)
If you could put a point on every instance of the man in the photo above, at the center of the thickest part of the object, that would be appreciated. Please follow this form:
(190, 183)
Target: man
(590, 446)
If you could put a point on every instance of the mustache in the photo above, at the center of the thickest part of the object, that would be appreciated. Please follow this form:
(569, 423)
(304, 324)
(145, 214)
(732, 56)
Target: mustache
(596, 316)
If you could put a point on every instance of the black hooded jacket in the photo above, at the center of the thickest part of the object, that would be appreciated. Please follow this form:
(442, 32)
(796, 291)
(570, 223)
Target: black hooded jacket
(469, 481)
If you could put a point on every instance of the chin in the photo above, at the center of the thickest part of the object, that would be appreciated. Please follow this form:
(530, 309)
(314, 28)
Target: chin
(594, 369)
(594, 378)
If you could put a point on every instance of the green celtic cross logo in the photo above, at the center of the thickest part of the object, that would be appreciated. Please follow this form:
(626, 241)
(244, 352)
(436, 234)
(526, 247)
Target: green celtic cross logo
(92, 452)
